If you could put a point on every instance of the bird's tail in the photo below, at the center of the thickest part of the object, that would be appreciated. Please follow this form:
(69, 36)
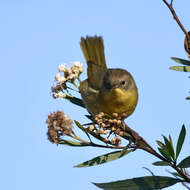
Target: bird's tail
(93, 50)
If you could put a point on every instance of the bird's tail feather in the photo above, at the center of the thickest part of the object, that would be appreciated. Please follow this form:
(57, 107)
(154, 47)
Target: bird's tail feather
(93, 50)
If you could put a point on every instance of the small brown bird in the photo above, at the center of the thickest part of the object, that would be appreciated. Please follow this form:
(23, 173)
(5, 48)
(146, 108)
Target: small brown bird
(105, 90)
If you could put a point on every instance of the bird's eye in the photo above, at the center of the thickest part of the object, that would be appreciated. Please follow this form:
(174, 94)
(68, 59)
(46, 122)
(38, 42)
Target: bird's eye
(123, 82)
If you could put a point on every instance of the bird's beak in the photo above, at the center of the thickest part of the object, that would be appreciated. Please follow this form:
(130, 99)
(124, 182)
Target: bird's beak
(114, 86)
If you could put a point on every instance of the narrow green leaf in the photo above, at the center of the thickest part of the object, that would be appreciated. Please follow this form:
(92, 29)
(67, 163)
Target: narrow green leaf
(72, 143)
(185, 163)
(125, 151)
(169, 147)
(180, 141)
(171, 142)
(181, 68)
(76, 101)
(165, 153)
(140, 183)
(181, 61)
(161, 163)
(82, 128)
(104, 158)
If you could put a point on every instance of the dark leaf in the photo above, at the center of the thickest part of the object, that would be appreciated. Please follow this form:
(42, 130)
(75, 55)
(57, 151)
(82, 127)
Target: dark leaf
(171, 142)
(185, 163)
(165, 153)
(188, 98)
(169, 147)
(140, 183)
(72, 143)
(181, 68)
(180, 141)
(104, 158)
(76, 101)
(82, 128)
(181, 61)
(161, 163)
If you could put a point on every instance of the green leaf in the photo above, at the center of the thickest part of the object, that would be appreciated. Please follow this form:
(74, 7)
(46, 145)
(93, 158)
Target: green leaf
(76, 101)
(125, 151)
(165, 153)
(72, 143)
(169, 147)
(181, 68)
(185, 163)
(104, 158)
(180, 141)
(82, 128)
(161, 163)
(171, 142)
(140, 183)
(181, 61)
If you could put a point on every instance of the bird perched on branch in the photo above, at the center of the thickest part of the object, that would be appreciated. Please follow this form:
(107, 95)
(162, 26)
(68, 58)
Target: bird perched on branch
(105, 90)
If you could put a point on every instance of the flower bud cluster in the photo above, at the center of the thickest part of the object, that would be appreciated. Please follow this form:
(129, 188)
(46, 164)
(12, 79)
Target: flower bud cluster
(108, 125)
(66, 74)
(59, 124)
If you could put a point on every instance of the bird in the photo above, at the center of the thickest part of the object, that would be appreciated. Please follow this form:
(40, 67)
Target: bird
(107, 90)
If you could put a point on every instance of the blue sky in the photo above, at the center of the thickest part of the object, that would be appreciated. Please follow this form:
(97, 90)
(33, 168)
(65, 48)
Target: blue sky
(36, 36)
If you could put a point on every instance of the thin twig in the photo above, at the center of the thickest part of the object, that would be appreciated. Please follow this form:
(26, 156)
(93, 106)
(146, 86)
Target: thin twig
(170, 6)
(171, 3)
(105, 146)
(185, 185)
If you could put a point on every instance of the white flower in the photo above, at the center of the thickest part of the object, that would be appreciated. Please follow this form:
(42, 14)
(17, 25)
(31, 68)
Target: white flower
(77, 65)
(60, 95)
(57, 76)
(61, 80)
(62, 67)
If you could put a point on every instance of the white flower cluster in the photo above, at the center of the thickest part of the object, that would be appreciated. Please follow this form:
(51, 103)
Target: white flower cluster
(70, 73)
(66, 74)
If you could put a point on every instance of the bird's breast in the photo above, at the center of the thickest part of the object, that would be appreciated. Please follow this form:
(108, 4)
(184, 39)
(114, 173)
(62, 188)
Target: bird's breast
(118, 101)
